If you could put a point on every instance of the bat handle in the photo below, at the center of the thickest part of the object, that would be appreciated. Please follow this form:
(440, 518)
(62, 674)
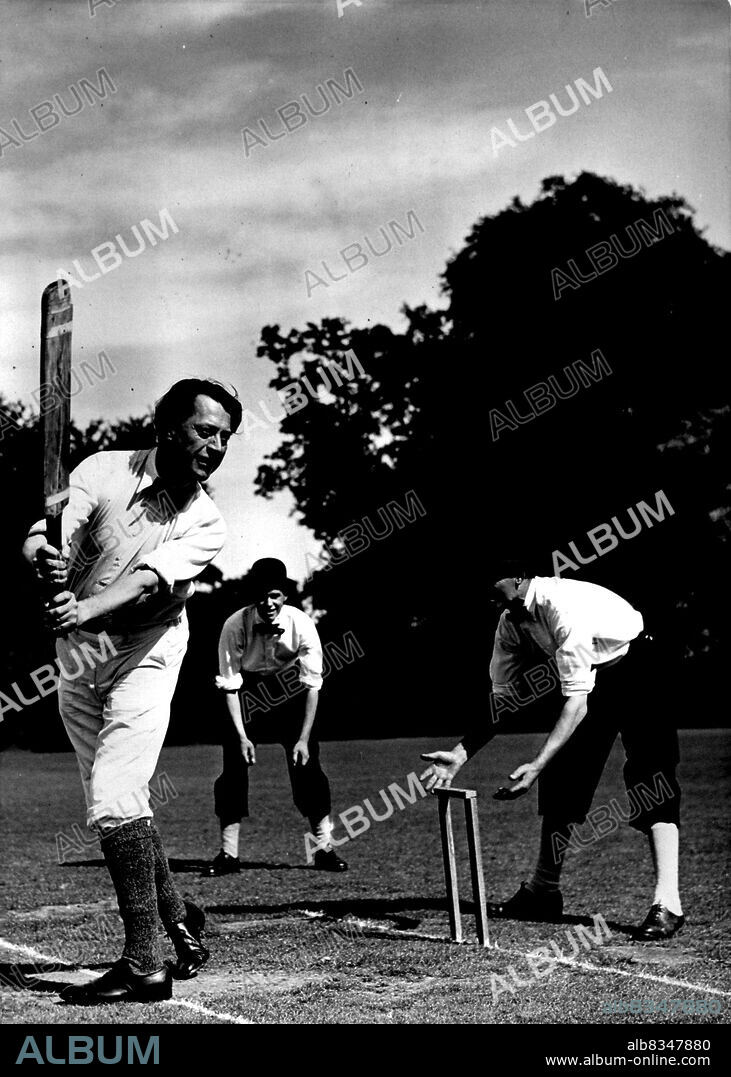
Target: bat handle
(54, 532)
(54, 537)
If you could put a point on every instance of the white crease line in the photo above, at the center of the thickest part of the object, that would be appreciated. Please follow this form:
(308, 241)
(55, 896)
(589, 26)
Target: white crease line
(321, 917)
(28, 951)
(608, 969)
(394, 932)
(210, 1013)
(612, 970)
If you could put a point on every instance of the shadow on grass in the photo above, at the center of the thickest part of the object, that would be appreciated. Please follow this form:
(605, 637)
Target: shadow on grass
(392, 909)
(24, 977)
(246, 865)
(200, 866)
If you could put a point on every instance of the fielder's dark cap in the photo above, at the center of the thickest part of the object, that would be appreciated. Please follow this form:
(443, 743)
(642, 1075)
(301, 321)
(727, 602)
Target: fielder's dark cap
(270, 574)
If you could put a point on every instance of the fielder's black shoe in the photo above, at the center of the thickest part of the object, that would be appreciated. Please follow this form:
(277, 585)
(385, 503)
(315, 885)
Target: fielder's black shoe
(121, 984)
(659, 923)
(525, 905)
(186, 938)
(223, 864)
(328, 860)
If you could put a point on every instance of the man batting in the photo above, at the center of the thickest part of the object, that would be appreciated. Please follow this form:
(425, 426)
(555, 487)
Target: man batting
(594, 636)
(137, 530)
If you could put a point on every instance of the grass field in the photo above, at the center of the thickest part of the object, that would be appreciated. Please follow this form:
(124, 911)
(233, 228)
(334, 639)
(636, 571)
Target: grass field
(370, 945)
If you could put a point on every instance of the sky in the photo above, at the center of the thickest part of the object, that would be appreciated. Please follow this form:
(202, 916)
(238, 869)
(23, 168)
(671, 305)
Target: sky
(189, 77)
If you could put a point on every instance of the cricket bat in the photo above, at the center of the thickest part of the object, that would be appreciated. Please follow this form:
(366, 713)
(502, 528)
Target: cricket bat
(56, 320)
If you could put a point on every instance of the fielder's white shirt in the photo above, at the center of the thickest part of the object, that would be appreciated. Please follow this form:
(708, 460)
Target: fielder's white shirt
(241, 650)
(579, 624)
(119, 519)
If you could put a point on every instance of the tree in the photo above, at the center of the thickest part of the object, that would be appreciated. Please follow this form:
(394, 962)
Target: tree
(590, 273)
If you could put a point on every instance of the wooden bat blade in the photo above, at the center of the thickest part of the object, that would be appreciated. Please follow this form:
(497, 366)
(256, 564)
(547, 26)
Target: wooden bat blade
(55, 402)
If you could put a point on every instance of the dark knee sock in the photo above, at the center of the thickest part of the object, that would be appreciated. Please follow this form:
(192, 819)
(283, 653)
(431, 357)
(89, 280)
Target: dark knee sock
(130, 859)
(170, 904)
(555, 836)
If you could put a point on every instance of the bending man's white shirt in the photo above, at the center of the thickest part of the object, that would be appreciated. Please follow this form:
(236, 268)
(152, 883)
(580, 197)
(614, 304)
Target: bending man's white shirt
(579, 624)
(119, 520)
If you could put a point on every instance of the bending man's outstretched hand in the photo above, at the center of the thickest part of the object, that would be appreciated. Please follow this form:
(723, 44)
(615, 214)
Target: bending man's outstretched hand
(524, 776)
(572, 714)
(444, 768)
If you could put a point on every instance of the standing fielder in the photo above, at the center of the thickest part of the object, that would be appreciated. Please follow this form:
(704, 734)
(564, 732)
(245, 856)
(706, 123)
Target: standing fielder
(137, 531)
(593, 634)
(259, 644)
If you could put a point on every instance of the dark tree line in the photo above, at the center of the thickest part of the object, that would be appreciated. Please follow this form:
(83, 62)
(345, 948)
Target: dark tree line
(425, 416)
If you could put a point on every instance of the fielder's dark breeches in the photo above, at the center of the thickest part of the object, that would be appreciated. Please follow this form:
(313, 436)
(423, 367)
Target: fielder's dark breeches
(283, 723)
(621, 702)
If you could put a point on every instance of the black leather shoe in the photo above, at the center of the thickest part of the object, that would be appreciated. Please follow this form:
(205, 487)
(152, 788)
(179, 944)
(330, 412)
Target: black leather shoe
(186, 938)
(525, 905)
(121, 984)
(328, 860)
(659, 923)
(223, 864)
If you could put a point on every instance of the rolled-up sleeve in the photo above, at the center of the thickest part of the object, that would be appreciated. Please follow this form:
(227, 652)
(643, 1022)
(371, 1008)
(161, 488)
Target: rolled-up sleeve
(184, 557)
(506, 664)
(574, 659)
(230, 652)
(309, 654)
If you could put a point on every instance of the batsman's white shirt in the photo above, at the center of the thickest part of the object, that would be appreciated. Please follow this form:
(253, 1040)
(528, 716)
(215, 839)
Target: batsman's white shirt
(579, 624)
(119, 519)
(240, 648)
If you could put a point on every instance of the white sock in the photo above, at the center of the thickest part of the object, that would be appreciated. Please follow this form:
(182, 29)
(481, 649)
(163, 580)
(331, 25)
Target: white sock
(230, 838)
(664, 843)
(322, 829)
